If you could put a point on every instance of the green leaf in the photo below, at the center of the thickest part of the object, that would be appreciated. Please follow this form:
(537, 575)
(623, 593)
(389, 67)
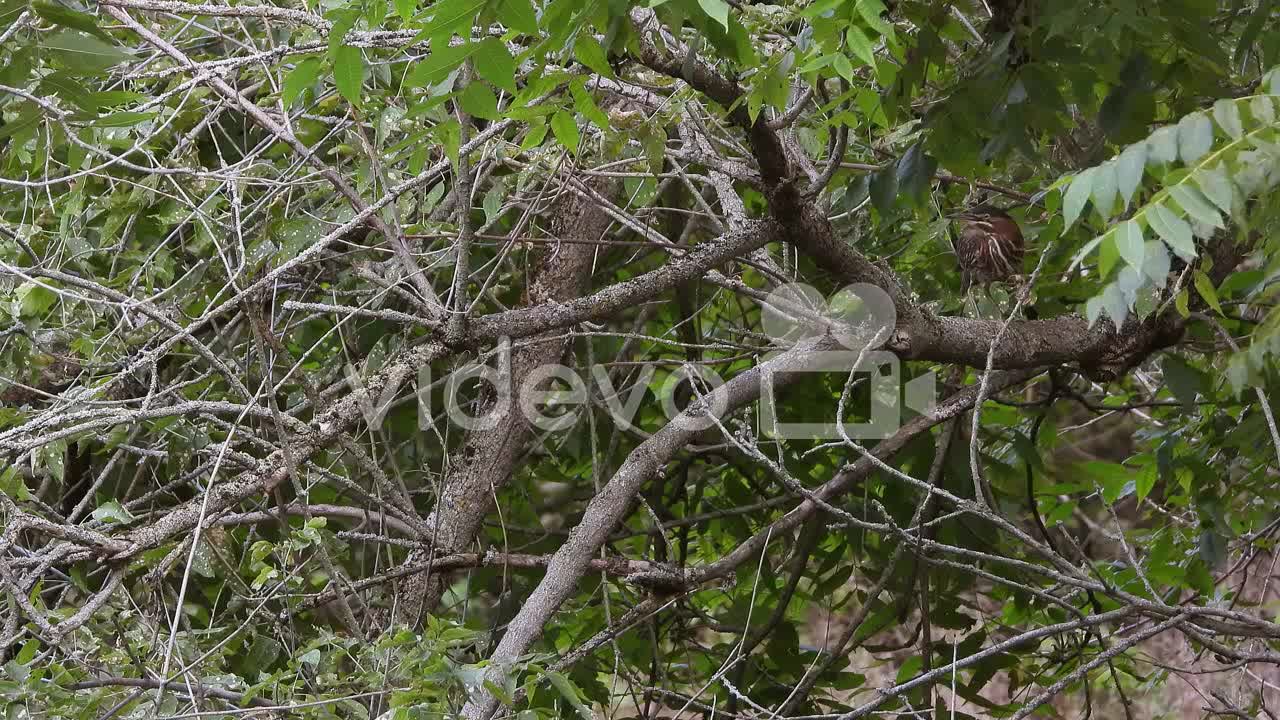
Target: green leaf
(1076, 196)
(570, 693)
(1104, 189)
(28, 652)
(518, 15)
(843, 67)
(1190, 200)
(13, 485)
(654, 142)
(348, 73)
(821, 9)
(915, 172)
(1146, 481)
(266, 575)
(1227, 114)
(1083, 252)
(112, 512)
(861, 46)
(909, 668)
(1115, 480)
(1129, 243)
(437, 66)
(590, 53)
(884, 190)
(116, 98)
(1093, 309)
(1238, 373)
(1131, 283)
(775, 88)
(68, 18)
(1155, 262)
(343, 21)
(1199, 578)
(1260, 15)
(872, 11)
(755, 99)
(32, 299)
(816, 63)
(1271, 81)
(1113, 301)
(1128, 107)
(501, 694)
(586, 105)
(1175, 231)
(1217, 187)
(1162, 146)
(66, 87)
(450, 17)
(406, 8)
(1184, 381)
(9, 12)
(1181, 303)
(123, 119)
(717, 10)
(1213, 548)
(1195, 137)
(1108, 253)
(449, 134)
(478, 100)
(493, 63)
(53, 457)
(1263, 110)
(492, 203)
(1205, 287)
(565, 129)
(1129, 169)
(843, 681)
(532, 139)
(82, 53)
(303, 76)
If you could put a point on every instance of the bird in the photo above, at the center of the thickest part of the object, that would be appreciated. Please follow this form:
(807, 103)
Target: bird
(990, 245)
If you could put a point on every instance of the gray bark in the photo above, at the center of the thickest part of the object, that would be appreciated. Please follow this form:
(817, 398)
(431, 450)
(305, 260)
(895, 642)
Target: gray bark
(485, 461)
(609, 506)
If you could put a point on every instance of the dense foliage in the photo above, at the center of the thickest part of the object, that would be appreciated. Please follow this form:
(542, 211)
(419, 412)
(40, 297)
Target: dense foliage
(246, 249)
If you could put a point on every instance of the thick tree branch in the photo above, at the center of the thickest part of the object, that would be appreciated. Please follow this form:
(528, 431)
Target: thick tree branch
(343, 415)
(609, 506)
(488, 457)
(920, 334)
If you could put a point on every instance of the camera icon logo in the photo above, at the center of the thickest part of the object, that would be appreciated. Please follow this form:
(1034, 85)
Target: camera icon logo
(550, 397)
(860, 318)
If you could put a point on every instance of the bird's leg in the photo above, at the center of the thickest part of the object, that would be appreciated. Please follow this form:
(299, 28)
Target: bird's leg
(967, 287)
(987, 305)
(1014, 291)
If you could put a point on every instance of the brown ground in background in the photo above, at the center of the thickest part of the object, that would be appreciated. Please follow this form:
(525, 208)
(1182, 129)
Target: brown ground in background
(1179, 683)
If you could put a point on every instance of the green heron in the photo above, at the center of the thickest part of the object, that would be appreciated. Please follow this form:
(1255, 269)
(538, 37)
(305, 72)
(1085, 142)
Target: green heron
(990, 245)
